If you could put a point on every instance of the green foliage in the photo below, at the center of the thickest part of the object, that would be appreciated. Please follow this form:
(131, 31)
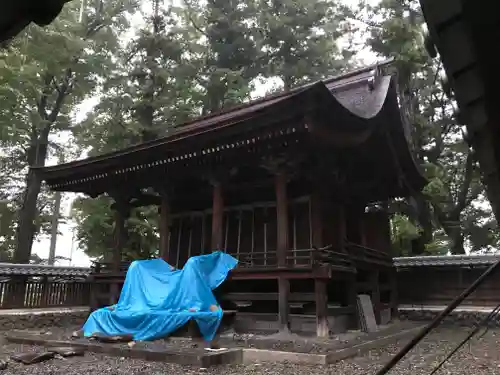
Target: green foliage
(44, 74)
(452, 212)
(403, 231)
(300, 39)
(201, 57)
(95, 224)
(94, 219)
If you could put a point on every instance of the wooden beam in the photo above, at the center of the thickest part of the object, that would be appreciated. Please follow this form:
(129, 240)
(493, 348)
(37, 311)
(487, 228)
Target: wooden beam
(274, 273)
(293, 297)
(165, 227)
(321, 294)
(282, 248)
(283, 304)
(217, 217)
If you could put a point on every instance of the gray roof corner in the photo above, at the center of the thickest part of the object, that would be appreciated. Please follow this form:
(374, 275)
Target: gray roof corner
(12, 269)
(446, 260)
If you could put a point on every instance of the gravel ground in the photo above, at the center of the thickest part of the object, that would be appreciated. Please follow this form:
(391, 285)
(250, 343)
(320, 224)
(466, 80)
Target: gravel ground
(481, 357)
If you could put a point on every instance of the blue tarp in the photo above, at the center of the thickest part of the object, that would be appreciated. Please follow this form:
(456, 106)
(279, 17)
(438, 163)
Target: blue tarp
(156, 299)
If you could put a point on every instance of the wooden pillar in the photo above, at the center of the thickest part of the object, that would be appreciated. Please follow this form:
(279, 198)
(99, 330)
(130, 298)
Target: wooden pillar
(283, 305)
(352, 301)
(217, 217)
(321, 295)
(339, 245)
(282, 247)
(340, 228)
(119, 239)
(217, 225)
(362, 228)
(375, 283)
(320, 285)
(165, 227)
(121, 213)
(394, 293)
(317, 219)
(282, 217)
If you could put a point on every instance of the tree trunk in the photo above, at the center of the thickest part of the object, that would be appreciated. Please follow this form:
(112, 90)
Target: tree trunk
(54, 228)
(457, 245)
(422, 209)
(37, 153)
(27, 228)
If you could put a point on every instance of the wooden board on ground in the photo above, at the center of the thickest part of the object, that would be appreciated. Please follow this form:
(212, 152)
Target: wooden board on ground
(366, 314)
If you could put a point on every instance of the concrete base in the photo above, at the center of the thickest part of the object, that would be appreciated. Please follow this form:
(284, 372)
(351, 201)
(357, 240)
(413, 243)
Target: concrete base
(261, 355)
(301, 324)
(193, 357)
(202, 358)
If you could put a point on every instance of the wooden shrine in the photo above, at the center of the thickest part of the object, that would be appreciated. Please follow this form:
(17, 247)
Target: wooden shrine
(293, 185)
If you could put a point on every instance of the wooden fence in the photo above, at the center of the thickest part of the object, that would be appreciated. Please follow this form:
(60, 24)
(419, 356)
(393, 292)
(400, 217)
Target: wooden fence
(19, 293)
(439, 285)
(421, 281)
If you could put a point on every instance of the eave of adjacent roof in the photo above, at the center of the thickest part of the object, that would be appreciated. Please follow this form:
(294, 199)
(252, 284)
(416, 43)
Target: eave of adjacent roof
(463, 32)
(13, 269)
(450, 34)
(446, 260)
(16, 15)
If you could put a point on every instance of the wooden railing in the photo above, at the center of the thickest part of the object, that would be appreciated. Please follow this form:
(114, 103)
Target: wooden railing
(366, 254)
(297, 258)
(294, 258)
(19, 293)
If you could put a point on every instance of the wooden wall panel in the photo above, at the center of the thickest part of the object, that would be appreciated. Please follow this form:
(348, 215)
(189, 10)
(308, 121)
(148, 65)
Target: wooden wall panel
(246, 239)
(431, 285)
(246, 230)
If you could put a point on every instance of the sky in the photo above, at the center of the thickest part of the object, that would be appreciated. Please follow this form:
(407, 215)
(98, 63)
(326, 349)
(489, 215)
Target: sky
(66, 245)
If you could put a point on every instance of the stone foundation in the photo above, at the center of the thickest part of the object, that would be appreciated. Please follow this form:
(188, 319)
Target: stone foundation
(25, 319)
(300, 324)
(460, 317)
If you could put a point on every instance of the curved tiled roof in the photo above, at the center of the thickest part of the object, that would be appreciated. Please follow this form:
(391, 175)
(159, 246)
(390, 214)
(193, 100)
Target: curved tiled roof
(8, 269)
(362, 105)
(446, 260)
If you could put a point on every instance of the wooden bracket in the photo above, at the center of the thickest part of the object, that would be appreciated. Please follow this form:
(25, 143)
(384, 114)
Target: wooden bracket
(289, 166)
(220, 176)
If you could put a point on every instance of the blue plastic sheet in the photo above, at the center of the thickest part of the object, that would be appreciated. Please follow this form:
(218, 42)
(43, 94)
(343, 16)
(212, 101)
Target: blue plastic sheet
(156, 299)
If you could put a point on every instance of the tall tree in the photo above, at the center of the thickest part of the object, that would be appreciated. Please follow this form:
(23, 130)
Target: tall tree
(184, 62)
(225, 46)
(207, 57)
(44, 73)
(146, 95)
(300, 39)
